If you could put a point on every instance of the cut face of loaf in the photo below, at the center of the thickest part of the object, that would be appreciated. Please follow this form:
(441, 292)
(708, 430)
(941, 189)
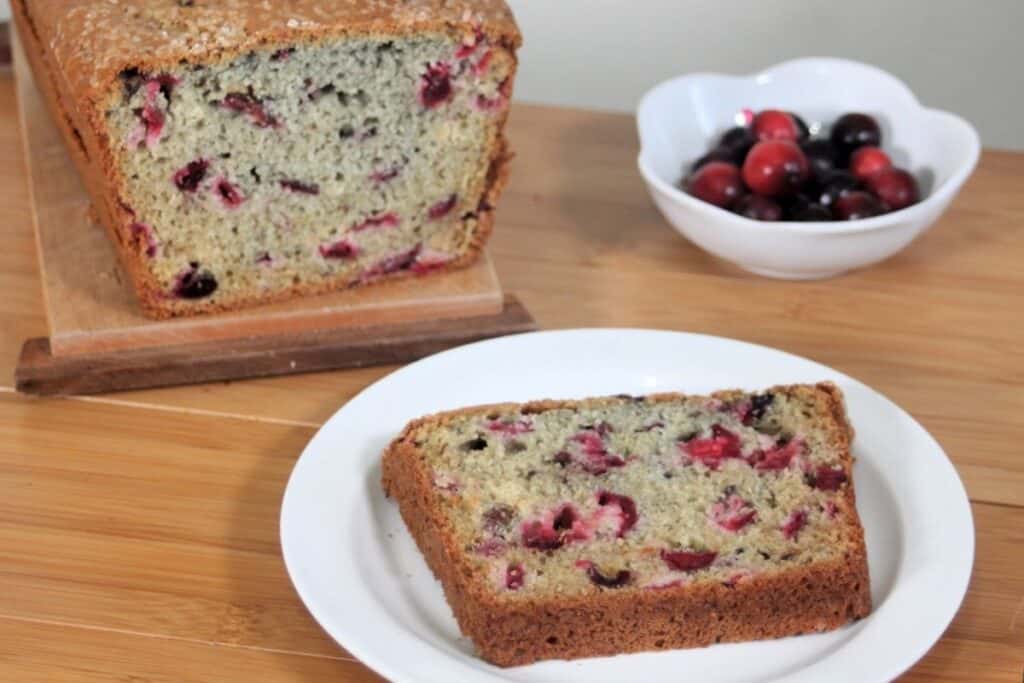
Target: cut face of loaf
(684, 520)
(310, 167)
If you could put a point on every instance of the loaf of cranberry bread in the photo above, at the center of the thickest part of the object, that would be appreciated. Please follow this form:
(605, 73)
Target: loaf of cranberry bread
(566, 529)
(245, 151)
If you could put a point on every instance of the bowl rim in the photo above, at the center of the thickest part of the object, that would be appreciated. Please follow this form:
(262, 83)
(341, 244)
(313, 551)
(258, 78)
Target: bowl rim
(915, 212)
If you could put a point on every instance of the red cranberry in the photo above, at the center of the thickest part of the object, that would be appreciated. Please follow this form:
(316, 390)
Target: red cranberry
(826, 478)
(773, 124)
(442, 208)
(247, 103)
(867, 161)
(732, 513)
(895, 187)
(404, 260)
(776, 458)
(339, 250)
(855, 130)
(300, 187)
(626, 506)
(736, 142)
(717, 154)
(436, 86)
(722, 445)
(853, 206)
(717, 183)
(821, 154)
(230, 194)
(686, 561)
(386, 220)
(775, 168)
(758, 208)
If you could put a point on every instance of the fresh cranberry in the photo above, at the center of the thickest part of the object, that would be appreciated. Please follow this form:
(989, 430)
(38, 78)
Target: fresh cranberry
(867, 161)
(717, 154)
(826, 478)
(732, 513)
(251, 106)
(188, 179)
(821, 154)
(736, 142)
(811, 213)
(777, 457)
(793, 524)
(436, 86)
(801, 125)
(721, 445)
(686, 561)
(442, 208)
(758, 208)
(386, 220)
(855, 130)
(626, 507)
(775, 168)
(300, 187)
(195, 283)
(772, 124)
(835, 185)
(230, 195)
(620, 579)
(514, 577)
(895, 187)
(854, 206)
(342, 249)
(717, 183)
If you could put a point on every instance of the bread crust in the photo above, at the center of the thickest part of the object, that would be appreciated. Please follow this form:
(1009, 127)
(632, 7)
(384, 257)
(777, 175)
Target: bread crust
(77, 59)
(510, 632)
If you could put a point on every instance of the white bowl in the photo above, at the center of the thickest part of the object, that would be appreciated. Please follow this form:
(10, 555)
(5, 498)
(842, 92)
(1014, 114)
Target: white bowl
(681, 119)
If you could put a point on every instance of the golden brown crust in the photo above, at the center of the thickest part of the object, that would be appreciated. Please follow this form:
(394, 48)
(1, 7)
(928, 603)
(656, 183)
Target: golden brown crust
(813, 598)
(77, 50)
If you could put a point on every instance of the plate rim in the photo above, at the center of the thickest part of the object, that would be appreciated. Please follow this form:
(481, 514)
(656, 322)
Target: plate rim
(368, 656)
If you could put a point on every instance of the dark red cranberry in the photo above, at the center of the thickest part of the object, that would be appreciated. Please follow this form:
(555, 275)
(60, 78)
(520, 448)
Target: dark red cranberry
(758, 208)
(620, 579)
(775, 168)
(793, 524)
(282, 55)
(759, 405)
(773, 124)
(811, 213)
(251, 106)
(300, 187)
(732, 513)
(229, 193)
(895, 187)
(775, 458)
(826, 478)
(855, 130)
(195, 283)
(736, 142)
(443, 208)
(821, 154)
(342, 249)
(867, 161)
(854, 206)
(686, 561)
(717, 154)
(394, 264)
(626, 506)
(385, 220)
(805, 131)
(537, 536)
(717, 183)
(189, 178)
(436, 86)
(565, 518)
(514, 577)
(835, 185)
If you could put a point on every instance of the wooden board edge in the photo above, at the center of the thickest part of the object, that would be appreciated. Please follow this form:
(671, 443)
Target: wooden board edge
(40, 373)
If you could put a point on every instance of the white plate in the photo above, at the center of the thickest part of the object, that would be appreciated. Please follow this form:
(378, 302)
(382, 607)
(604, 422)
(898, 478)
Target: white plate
(360, 574)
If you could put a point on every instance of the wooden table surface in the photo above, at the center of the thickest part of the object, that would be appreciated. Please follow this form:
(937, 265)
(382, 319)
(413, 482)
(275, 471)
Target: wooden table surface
(139, 535)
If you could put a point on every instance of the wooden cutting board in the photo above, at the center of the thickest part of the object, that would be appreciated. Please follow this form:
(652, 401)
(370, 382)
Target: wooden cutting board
(93, 313)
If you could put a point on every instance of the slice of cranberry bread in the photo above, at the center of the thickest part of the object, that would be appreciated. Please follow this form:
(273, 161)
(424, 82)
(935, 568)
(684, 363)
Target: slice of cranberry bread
(584, 528)
(244, 151)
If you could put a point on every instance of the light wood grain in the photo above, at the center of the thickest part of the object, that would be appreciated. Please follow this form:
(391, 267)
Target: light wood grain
(92, 308)
(167, 527)
(182, 486)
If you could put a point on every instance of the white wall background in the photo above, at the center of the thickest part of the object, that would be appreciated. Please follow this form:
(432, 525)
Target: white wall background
(963, 55)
